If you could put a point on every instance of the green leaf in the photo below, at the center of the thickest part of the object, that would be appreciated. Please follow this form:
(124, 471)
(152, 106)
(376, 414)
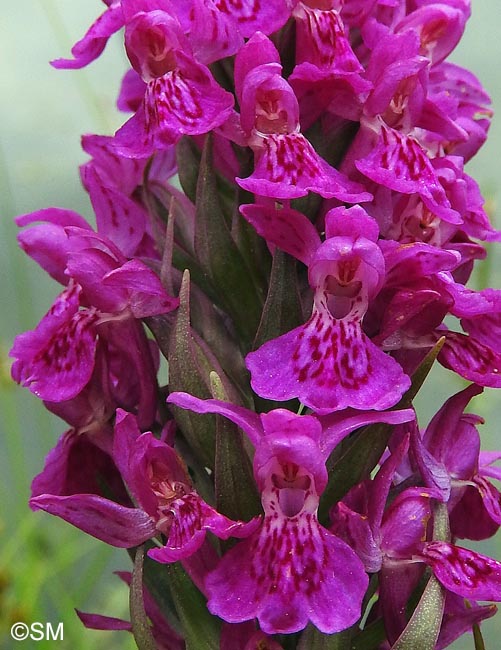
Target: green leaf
(188, 162)
(236, 492)
(140, 627)
(313, 639)
(366, 446)
(282, 310)
(189, 371)
(201, 629)
(219, 256)
(441, 526)
(422, 630)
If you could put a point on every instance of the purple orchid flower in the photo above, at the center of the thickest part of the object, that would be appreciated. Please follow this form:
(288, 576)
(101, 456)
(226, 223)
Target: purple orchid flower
(390, 540)
(181, 96)
(112, 182)
(166, 502)
(286, 164)
(449, 459)
(328, 363)
(326, 66)
(96, 314)
(291, 569)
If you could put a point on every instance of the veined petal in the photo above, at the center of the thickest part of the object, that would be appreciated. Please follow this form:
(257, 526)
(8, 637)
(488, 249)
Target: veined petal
(329, 365)
(464, 572)
(190, 519)
(56, 359)
(93, 43)
(108, 521)
(254, 15)
(288, 167)
(289, 571)
(181, 102)
(471, 359)
(321, 40)
(401, 164)
(117, 216)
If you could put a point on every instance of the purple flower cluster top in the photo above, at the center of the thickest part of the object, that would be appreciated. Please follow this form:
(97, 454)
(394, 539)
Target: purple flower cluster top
(283, 223)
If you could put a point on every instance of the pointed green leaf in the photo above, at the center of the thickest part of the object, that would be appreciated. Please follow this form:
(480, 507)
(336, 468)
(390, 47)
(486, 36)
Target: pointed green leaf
(189, 372)
(219, 256)
(201, 629)
(188, 162)
(441, 526)
(282, 310)
(253, 248)
(140, 627)
(422, 630)
(365, 448)
(236, 492)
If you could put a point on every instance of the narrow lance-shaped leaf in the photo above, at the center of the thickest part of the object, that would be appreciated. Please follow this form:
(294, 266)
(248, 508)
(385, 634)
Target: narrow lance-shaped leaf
(236, 492)
(188, 162)
(201, 629)
(422, 631)
(252, 246)
(368, 445)
(282, 310)
(187, 373)
(140, 627)
(219, 255)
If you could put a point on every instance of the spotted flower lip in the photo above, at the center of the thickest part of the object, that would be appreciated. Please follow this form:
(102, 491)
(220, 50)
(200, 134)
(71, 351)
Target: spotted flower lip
(286, 164)
(400, 163)
(329, 363)
(291, 569)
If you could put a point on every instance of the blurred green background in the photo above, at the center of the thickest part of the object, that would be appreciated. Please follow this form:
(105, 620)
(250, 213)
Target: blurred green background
(46, 567)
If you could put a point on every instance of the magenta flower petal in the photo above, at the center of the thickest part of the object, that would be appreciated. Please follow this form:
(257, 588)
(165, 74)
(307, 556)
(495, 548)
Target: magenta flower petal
(288, 167)
(464, 572)
(286, 228)
(322, 41)
(108, 521)
(56, 359)
(184, 101)
(118, 217)
(191, 519)
(328, 365)
(401, 164)
(145, 295)
(252, 15)
(93, 43)
(47, 243)
(307, 573)
(100, 622)
(471, 359)
(247, 420)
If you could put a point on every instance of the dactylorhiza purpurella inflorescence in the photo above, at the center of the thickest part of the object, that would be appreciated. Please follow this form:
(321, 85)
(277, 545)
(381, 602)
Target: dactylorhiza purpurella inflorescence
(286, 219)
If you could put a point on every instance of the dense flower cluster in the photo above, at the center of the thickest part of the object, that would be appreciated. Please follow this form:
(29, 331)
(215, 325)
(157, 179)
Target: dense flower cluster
(286, 220)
